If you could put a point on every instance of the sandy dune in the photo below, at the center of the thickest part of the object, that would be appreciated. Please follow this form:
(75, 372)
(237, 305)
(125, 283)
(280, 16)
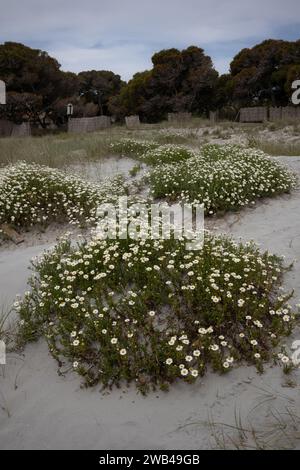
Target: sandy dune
(41, 410)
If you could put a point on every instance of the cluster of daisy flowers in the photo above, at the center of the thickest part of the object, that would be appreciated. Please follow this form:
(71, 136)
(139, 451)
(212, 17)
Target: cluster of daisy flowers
(35, 194)
(132, 147)
(150, 312)
(221, 178)
(167, 153)
(152, 153)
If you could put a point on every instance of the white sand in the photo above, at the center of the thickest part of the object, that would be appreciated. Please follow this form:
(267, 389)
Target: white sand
(106, 168)
(41, 410)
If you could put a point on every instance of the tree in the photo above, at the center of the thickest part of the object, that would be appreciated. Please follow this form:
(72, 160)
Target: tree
(179, 81)
(133, 97)
(98, 86)
(199, 80)
(22, 107)
(80, 109)
(261, 75)
(34, 82)
(223, 92)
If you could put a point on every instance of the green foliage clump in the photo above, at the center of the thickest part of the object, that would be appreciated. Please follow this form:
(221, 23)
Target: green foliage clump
(132, 147)
(35, 194)
(151, 312)
(253, 82)
(178, 81)
(222, 178)
(166, 154)
(151, 152)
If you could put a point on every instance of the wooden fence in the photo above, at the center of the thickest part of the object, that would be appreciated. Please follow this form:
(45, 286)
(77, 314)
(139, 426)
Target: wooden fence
(255, 114)
(88, 124)
(10, 129)
(132, 122)
(263, 113)
(179, 117)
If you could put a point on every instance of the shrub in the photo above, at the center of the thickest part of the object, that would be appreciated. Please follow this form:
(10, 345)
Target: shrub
(150, 152)
(31, 194)
(150, 312)
(132, 147)
(166, 154)
(222, 178)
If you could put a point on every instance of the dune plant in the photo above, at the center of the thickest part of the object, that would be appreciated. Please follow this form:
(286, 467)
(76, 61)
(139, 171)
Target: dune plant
(222, 178)
(150, 152)
(150, 312)
(35, 194)
(132, 147)
(168, 153)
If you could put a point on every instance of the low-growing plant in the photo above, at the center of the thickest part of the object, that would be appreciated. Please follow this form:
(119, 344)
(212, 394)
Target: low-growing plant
(151, 312)
(132, 147)
(135, 170)
(168, 153)
(57, 150)
(151, 152)
(8, 329)
(222, 178)
(279, 148)
(34, 194)
(279, 428)
(182, 136)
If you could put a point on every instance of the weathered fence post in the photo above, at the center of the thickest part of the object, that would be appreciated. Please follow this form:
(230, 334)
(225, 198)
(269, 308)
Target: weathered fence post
(254, 114)
(132, 122)
(179, 118)
(21, 130)
(275, 114)
(213, 116)
(86, 124)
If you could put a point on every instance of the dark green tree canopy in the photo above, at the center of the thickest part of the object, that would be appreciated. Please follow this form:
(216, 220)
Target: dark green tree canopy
(179, 81)
(262, 74)
(34, 82)
(98, 86)
(37, 90)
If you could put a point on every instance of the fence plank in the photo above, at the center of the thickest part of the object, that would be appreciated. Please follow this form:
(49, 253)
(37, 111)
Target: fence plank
(86, 124)
(255, 114)
(132, 122)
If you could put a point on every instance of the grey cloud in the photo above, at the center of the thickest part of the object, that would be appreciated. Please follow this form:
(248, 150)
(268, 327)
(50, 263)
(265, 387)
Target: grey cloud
(122, 34)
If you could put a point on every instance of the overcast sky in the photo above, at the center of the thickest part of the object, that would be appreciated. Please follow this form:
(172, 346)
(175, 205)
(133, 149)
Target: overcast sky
(122, 35)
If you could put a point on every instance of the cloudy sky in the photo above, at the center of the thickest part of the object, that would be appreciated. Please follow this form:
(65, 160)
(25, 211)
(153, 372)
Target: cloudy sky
(121, 35)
